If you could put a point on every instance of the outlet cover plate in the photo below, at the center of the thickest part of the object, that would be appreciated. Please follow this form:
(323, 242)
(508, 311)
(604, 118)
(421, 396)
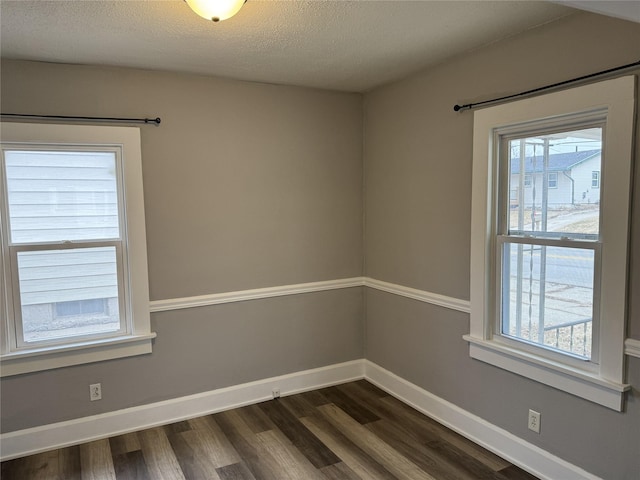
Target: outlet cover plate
(534, 421)
(95, 392)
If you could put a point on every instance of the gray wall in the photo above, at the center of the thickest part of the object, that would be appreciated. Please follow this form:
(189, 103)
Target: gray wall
(245, 186)
(418, 157)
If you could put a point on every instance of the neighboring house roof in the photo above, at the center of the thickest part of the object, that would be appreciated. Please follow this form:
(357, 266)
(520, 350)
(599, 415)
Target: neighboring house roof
(558, 162)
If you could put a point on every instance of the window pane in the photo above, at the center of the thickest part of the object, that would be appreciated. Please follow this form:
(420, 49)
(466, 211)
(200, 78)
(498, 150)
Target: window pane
(66, 293)
(58, 196)
(551, 184)
(548, 296)
(77, 307)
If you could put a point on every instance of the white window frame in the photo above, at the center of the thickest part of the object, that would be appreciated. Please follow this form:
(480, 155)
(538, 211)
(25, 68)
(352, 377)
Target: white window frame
(136, 337)
(552, 180)
(595, 179)
(600, 380)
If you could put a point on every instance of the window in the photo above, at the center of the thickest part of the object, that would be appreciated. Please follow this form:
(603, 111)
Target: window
(72, 225)
(527, 180)
(595, 179)
(548, 268)
(546, 248)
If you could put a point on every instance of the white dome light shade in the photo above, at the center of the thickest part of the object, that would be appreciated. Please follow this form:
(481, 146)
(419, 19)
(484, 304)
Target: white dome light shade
(216, 10)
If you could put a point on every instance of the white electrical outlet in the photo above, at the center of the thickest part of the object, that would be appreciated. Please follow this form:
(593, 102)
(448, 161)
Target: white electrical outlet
(275, 392)
(95, 392)
(534, 421)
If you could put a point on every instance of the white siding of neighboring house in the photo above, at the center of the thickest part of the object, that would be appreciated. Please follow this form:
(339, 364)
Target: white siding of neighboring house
(67, 275)
(561, 196)
(585, 193)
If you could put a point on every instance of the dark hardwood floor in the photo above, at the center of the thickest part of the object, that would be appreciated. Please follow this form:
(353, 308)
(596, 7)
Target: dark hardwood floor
(352, 431)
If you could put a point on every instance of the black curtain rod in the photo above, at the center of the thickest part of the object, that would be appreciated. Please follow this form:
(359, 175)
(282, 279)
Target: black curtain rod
(156, 121)
(469, 106)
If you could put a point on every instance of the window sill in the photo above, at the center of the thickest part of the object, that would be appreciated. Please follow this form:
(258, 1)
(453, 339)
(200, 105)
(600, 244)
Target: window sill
(571, 380)
(46, 358)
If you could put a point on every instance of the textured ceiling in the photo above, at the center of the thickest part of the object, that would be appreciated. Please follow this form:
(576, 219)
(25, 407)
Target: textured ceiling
(341, 45)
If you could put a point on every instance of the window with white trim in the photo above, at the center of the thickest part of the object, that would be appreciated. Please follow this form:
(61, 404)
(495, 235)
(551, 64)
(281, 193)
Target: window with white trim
(74, 271)
(548, 268)
(595, 179)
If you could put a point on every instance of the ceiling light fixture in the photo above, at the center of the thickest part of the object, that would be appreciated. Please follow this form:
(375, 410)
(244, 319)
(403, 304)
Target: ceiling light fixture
(216, 10)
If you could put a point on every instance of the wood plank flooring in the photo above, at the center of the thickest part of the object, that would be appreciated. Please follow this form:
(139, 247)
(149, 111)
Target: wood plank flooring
(348, 432)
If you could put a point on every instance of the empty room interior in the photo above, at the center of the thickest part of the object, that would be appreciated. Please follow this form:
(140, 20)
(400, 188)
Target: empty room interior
(309, 211)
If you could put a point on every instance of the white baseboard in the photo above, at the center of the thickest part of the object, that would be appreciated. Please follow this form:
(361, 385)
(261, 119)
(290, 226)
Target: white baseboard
(72, 432)
(529, 457)
(517, 451)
